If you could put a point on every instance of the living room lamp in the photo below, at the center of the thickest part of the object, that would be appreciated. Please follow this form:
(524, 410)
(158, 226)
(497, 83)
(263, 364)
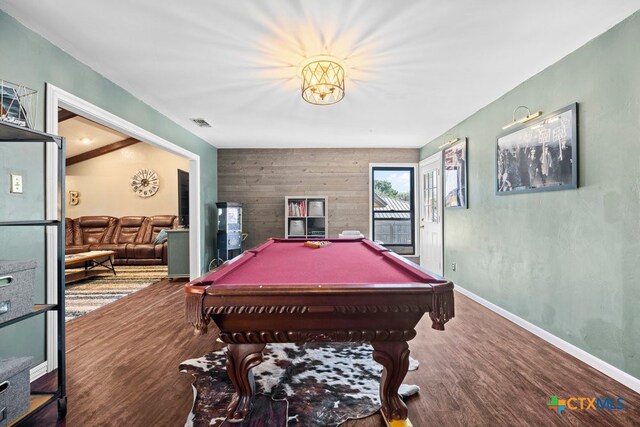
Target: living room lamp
(322, 80)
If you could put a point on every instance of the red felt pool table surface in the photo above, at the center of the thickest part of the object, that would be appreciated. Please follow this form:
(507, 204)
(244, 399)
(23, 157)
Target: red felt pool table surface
(342, 262)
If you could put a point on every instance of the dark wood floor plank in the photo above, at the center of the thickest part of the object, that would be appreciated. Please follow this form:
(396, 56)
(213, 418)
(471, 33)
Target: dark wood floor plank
(483, 370)
(500, 374)
(123, 360)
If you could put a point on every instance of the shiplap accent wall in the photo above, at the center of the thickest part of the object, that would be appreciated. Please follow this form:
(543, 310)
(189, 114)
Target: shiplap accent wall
(262, 178)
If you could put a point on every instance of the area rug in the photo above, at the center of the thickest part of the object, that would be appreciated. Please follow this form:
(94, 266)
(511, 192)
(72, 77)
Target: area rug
(92, 293)
(323, 385)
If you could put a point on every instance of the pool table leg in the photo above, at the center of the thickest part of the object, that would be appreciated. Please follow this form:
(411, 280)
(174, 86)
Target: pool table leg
(394, 357)
(240, 359)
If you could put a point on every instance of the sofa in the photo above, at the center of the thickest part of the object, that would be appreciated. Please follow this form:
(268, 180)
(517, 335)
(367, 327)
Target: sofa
(133, 238)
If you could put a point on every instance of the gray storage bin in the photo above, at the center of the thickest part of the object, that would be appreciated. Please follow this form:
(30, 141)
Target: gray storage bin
(15, 388)
(316, 207)
(16, 288)
(296, 227)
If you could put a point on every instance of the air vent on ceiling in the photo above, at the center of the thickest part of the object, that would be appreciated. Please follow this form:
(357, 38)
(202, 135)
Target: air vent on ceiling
(201, 122)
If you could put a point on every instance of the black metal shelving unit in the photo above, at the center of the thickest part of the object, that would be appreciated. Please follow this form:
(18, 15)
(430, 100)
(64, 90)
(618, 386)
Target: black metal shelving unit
(13, 134)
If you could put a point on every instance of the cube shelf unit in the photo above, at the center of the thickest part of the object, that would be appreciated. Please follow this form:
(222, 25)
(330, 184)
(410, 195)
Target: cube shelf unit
(15, 137)
(305, 217)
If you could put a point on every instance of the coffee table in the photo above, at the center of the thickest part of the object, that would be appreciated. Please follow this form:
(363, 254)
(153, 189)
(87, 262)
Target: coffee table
(90, 260)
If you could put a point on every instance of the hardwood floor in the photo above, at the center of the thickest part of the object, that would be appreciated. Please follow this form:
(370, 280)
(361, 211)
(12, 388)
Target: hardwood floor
(483, 370)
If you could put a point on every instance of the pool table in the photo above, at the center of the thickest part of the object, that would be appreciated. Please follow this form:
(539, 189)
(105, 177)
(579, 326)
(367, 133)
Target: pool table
(348, 290)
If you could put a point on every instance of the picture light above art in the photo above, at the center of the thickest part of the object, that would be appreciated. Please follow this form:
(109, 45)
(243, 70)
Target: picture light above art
(523, 119)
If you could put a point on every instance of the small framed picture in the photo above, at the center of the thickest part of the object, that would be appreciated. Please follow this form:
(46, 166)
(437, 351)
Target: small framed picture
(455, 175)
(540, 155)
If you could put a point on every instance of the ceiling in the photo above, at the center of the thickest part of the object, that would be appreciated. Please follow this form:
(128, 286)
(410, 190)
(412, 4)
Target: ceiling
(78, 129)
(416, 67)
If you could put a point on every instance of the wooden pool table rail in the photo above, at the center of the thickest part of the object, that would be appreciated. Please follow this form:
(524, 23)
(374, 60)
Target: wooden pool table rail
(203, 303)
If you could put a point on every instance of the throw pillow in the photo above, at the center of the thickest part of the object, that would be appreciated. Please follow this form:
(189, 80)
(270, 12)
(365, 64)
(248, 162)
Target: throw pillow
(161, 237)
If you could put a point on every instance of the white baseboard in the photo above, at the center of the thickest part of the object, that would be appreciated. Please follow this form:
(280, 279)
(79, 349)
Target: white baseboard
(37, 371)
(622, 377)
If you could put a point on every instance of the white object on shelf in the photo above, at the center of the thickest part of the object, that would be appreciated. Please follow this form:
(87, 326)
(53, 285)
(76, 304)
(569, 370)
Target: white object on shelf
(296, 227)
(316, 208)
(351, 234)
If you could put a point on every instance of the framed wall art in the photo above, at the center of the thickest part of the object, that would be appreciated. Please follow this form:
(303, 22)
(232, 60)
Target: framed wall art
(18, 104)
(454, 160)
(539, 155)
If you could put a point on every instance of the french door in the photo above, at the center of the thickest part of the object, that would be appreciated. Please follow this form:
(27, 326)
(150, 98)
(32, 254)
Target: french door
(431, 231)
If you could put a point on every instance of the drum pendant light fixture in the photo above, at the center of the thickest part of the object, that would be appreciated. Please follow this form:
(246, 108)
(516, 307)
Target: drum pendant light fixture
(322, 80)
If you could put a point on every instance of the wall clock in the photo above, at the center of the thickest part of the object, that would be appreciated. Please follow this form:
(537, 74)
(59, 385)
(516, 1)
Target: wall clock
(145, 183)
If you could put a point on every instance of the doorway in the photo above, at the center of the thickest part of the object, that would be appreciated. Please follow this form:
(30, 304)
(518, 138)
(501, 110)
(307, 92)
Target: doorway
(58, 98)
(431, 226)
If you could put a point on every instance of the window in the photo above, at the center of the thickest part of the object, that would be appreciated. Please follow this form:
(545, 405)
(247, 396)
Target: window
(393, 207)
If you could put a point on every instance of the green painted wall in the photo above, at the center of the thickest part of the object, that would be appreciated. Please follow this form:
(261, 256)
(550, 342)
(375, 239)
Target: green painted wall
(26, 160)
(566, 261)
(27, 58)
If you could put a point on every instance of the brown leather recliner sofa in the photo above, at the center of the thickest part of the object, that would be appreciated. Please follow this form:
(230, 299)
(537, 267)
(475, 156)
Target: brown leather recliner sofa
(131, 237)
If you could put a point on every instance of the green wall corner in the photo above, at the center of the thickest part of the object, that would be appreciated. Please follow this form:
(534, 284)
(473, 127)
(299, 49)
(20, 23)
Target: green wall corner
(566, 261)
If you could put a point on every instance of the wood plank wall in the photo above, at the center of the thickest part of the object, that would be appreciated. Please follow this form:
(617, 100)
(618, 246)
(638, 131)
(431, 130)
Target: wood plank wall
(261, 178)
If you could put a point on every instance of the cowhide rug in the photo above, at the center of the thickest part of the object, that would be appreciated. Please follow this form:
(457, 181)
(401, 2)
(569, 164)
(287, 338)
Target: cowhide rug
(323, 384)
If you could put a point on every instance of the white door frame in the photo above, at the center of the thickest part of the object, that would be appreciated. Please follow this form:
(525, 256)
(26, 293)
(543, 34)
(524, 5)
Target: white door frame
(56, 97)
(434, 159)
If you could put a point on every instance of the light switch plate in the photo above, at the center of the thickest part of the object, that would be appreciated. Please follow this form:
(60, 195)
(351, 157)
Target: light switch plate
(16, 184)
